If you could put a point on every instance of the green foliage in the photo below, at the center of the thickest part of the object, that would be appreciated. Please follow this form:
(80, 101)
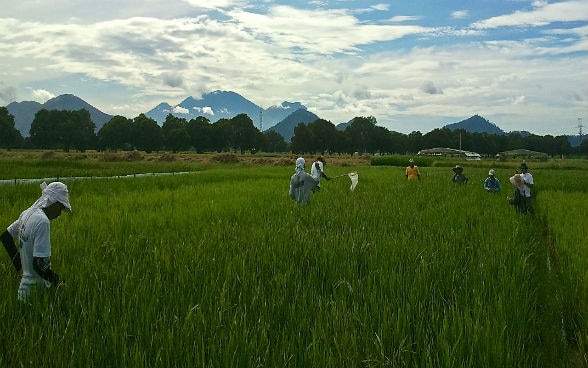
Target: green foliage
(10, 137)
(221, 268)
(62, 129)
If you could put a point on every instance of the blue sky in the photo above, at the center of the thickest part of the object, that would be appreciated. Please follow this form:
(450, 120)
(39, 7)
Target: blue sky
(414, 65)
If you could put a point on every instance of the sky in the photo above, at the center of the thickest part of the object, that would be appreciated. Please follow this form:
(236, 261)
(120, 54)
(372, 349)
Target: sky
(413, 65)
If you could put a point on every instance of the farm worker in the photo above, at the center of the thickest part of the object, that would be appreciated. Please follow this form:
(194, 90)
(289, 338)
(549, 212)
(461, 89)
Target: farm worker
(32, 232)
(301, 183)
(412, 171)
(518, 199)
(491, 184)
(528, 185)
(317, 171)
(458, 176)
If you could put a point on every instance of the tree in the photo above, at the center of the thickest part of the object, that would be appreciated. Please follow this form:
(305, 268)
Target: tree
(324, 136)
(147, 134)
(10, 137)
(302, 139)
(78, 130)
(414, 142)
(200, 132)
(63, 129)
(363, 133)
(244, 135)
(583, 148)
(274, 142)
(44, 132)
(221, 135)
(175, 134)
(116, 134)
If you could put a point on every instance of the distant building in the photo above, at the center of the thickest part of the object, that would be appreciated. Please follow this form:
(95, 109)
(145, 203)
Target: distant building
(450, 152)
(522, 154)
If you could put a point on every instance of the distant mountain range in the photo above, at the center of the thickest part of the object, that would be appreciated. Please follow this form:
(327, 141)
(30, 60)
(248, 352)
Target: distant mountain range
(24, 112)
(224, 105)
(217, 105)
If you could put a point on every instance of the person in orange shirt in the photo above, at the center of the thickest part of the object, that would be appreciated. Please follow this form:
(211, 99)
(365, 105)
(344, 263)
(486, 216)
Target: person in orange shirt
(412, 171)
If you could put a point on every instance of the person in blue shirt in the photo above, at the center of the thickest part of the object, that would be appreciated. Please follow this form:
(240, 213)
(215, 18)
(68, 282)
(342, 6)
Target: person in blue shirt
(492, 184)
(458, 176)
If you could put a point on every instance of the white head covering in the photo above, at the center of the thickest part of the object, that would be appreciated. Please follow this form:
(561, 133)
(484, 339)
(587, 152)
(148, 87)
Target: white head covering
(54, 192)
(300, 165)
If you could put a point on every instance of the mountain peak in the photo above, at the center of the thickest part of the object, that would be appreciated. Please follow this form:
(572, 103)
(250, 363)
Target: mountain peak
(476, 124)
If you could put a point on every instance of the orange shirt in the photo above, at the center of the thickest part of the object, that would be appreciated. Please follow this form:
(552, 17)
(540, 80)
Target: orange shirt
(412, 173)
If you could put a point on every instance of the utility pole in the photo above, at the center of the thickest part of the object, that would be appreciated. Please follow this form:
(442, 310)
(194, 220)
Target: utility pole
(580, 126)
(260, 119)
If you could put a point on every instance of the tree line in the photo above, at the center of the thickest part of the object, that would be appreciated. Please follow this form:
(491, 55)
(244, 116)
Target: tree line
(67, 130)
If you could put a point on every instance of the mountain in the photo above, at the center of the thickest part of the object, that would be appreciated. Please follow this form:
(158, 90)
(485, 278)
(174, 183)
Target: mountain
(476, 124)
(213, 106)
(24, 112)
(286, 126)
(342, 126)
(275, 114)
(224, 105)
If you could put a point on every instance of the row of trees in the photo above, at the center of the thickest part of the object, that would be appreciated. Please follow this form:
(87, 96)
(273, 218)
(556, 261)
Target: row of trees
(60, 129)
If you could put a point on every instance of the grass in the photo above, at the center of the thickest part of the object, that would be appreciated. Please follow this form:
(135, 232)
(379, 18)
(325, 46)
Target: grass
(220, 268)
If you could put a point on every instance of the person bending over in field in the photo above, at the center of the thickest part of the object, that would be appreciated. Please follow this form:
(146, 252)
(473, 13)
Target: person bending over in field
(518, 198)
(458, 176)
(317, 171)
(301, 183)
(32, 232)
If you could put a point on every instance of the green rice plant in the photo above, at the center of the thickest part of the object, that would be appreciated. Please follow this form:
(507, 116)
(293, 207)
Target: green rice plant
(565, 216)
(221, 268)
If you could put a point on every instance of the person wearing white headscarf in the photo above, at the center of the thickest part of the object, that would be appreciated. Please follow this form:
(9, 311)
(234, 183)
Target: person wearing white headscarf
(32, 232)
(301, 183)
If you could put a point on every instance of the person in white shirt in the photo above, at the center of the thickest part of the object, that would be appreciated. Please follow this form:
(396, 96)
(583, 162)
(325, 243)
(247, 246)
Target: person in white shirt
(317, 171)
(32, 233)
(529, 183)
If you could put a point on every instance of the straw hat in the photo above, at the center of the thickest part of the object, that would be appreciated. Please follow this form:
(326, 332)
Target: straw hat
(457, 169)
(517, 180)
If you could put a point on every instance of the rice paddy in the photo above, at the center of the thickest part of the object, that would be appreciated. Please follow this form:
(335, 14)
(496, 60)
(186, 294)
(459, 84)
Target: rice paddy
(220, 268)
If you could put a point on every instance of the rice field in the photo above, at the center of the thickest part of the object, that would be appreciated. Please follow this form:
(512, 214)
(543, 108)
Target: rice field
(219, 268)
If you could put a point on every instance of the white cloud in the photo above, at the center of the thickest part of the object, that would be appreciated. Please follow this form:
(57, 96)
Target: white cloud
(543, 14)
(41, 95)
(404, 18)
(337, 64)
(180, 110)
(205, 110)
(460, 14)
(7, 93)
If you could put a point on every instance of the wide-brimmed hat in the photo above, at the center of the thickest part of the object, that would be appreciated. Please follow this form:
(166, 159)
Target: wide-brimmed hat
(517, 180)
(411, 160)
(491, 172)
(457, 168)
